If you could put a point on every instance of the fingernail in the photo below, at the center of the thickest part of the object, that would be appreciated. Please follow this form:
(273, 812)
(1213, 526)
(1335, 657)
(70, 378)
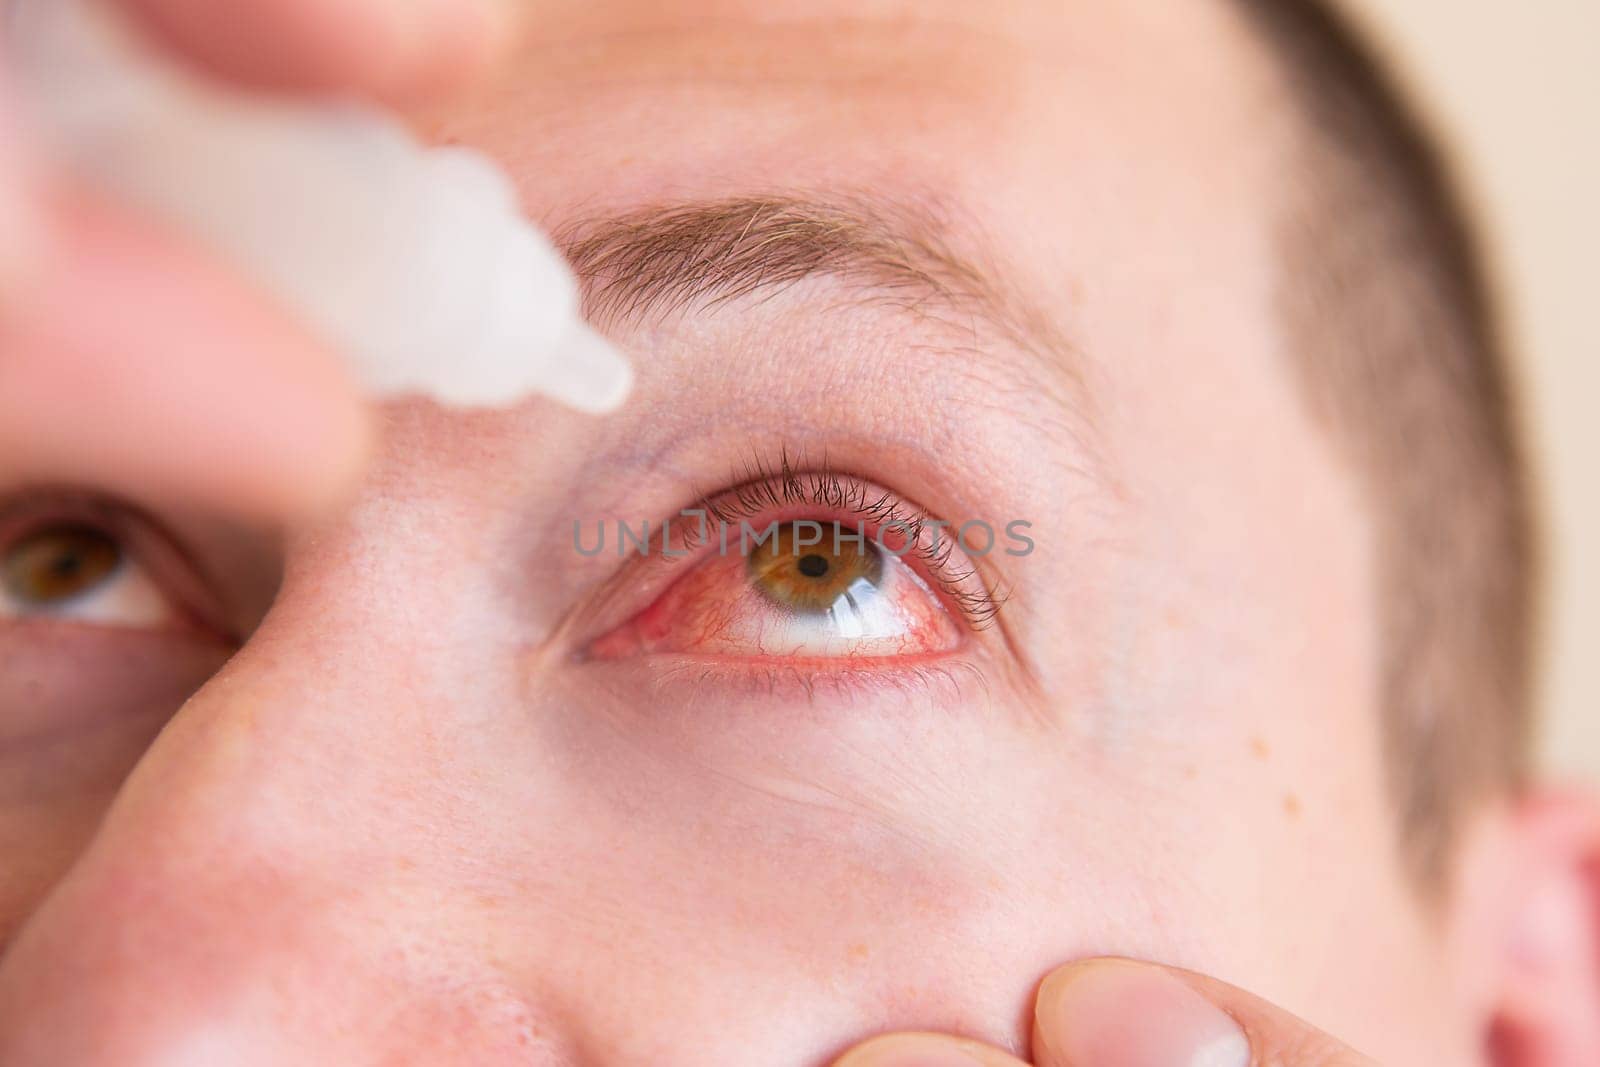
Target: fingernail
(1116, 1013)
(914, 1050)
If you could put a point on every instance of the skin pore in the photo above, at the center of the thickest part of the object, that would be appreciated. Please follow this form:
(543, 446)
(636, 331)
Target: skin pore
(416, 818)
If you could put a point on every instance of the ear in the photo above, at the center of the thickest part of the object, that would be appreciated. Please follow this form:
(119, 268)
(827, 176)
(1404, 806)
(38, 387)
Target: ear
(1541, 912)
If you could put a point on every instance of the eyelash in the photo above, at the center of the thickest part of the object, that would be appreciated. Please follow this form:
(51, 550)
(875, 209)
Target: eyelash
(764, 486)
(915, 682)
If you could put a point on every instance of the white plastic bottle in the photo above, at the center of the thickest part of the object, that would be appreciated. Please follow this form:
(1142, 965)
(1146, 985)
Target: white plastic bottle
(414, 262)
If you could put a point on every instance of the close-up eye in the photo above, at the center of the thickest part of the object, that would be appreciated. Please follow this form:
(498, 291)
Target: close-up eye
(810, 567)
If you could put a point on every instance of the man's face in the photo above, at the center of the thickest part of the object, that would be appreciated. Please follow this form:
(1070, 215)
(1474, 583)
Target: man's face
(469, 794)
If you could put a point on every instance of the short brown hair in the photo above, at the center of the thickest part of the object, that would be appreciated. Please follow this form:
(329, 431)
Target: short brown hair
(1400, 357)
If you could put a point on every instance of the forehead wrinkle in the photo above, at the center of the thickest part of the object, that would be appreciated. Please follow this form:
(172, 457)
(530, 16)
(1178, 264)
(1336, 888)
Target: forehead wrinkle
(677, 258)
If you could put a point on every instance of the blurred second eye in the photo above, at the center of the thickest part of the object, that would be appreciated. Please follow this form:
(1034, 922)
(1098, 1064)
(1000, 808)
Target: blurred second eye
(72, 570)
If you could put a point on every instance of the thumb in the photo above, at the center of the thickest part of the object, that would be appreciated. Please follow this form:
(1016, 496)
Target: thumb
(1119, 1013)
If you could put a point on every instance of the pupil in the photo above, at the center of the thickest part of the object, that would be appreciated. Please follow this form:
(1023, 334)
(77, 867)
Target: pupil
(812, 566)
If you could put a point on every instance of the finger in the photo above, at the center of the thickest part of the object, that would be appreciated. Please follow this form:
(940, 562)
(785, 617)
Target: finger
(925, 1050)
(400, 50)
(136, 368)
(1119, 1013)
(22, 236)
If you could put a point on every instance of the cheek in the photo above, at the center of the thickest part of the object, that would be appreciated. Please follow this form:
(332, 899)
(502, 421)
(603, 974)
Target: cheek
(763, 920)
(70, 734)
(790, 885)
(61, 679)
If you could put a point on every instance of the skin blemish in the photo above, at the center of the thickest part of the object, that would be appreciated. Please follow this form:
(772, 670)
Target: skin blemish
(1291, 806)
(1259, 748)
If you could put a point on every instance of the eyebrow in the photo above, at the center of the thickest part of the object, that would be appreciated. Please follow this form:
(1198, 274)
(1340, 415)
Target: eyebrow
(672, 258)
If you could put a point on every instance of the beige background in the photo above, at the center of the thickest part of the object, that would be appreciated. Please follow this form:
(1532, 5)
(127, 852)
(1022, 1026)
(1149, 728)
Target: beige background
(1516, 88)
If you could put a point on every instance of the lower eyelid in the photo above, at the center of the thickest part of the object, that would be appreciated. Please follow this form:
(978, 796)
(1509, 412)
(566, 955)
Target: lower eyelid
(695, 682)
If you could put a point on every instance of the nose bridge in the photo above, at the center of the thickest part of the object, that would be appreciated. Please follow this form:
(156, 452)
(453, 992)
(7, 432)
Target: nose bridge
(309, 822)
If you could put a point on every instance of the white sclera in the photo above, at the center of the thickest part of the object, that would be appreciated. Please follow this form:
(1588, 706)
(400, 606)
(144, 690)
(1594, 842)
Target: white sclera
(416, 263)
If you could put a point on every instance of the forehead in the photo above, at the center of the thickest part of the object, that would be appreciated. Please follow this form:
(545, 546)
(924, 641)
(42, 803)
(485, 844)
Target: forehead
(1052, 123)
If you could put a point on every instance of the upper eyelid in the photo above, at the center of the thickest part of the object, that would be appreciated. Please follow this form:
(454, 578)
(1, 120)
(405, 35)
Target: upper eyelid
(788, 488)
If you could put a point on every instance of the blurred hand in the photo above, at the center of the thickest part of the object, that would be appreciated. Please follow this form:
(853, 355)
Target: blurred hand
(1118, 1013)
(132, 363)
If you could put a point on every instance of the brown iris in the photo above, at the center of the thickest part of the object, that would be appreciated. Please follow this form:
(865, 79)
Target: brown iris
(795, 573)
(53, 565)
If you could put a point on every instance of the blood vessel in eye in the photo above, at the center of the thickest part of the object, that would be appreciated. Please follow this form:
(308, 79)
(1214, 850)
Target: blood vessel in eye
(793, 597)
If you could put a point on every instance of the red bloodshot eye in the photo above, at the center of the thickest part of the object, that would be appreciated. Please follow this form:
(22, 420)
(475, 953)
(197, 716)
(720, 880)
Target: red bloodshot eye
(809, 589)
